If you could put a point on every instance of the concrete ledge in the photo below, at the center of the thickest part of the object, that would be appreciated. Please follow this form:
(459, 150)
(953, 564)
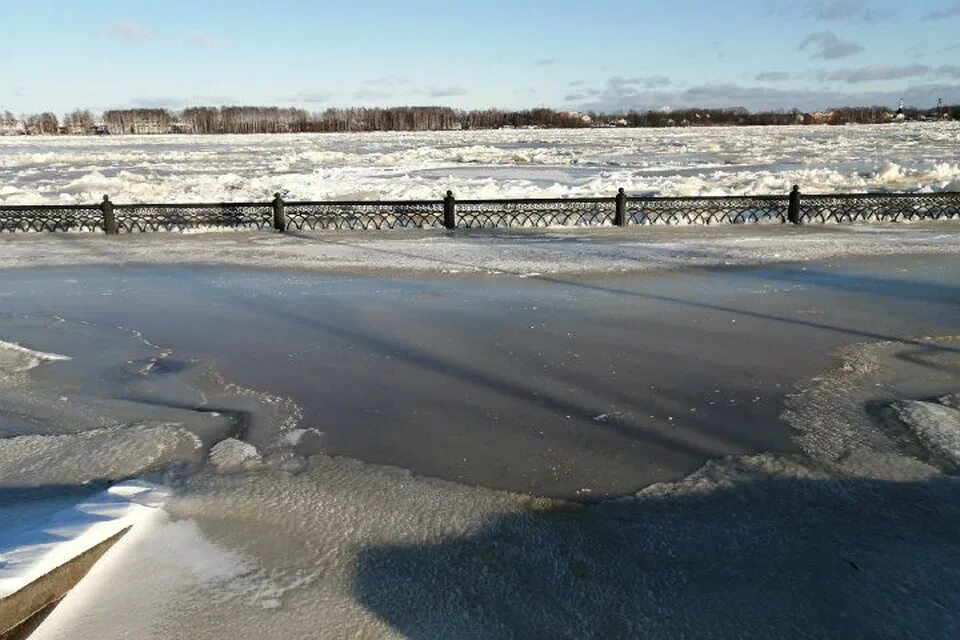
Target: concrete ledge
(18, 609)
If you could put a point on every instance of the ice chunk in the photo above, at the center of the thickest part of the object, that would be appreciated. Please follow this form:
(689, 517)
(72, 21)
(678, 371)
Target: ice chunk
(99, 454)
(937, 426)
(234, 455)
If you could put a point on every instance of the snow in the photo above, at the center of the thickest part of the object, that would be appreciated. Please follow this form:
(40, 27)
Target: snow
(482, 164)
(37, 547)
(514, 252)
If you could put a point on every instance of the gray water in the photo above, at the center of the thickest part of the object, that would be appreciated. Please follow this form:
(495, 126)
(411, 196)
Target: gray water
(559, 386)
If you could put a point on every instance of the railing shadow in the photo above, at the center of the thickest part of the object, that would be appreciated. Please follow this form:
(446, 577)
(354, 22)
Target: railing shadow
(872, 285)
(766, 556)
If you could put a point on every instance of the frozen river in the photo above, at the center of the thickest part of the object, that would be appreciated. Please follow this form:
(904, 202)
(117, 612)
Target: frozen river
(482, 164)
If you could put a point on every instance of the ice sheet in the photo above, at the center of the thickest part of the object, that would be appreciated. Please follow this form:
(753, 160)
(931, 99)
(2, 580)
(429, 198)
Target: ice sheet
(482, 164)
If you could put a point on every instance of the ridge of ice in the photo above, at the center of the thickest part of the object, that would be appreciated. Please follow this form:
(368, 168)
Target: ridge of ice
(937, 426)
(15, 358)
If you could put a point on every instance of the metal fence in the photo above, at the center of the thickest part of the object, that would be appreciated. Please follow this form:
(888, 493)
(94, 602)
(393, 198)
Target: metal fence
(620, 210)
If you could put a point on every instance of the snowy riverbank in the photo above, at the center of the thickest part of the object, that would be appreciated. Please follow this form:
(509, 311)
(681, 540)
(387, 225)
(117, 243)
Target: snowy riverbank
(516, 252)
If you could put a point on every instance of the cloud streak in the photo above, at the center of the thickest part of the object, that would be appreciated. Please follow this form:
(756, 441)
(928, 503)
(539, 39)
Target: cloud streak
(846, 11)
(205, 40)
(946, 12)
(773, 76)
(312, 97)
(759, 97)
(826, 45)
(876, 73)
(130, 31)
(443, 92)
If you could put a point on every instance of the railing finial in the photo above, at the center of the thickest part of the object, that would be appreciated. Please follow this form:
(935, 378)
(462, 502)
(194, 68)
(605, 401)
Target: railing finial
(110, 226)
(450, 211)
(793, 205)
(620, 210)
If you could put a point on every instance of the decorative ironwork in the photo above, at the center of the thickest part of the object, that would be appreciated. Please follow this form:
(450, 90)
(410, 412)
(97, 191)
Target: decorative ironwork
(885, 207)
(452, 213)
(74, 217)
(579, 212)
(179, 217)
(706, 210)
(416, 214)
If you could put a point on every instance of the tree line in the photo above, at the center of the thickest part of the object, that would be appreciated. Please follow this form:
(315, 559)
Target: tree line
(242, 119)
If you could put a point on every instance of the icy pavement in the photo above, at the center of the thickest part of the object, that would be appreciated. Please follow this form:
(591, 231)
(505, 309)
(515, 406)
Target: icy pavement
(855, 533)
(860, 544)
(515, 252)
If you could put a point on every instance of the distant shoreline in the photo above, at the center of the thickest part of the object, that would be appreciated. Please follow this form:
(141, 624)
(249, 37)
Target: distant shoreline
(251, 120)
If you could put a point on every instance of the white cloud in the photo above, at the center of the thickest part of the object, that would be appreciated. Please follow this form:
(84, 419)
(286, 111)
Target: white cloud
(130, 31)
(311, 97)
(204, 39)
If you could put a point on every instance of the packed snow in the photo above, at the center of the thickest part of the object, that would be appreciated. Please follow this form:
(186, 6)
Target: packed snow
(520, 253)
(482, 164)
(43, 542)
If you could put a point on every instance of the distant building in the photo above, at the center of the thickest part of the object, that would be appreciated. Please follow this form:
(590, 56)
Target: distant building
(180, 127)
(819, 117)
(12, 127)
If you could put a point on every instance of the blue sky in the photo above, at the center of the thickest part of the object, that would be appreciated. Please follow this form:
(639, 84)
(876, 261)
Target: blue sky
(605, 55)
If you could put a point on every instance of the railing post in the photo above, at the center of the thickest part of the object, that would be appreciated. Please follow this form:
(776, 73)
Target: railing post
(109, 218)
(450, 211)
(793, 211)
(620, 217)
(279, 217)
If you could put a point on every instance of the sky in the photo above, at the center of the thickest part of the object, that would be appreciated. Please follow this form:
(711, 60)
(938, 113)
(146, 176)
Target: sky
(603, 55)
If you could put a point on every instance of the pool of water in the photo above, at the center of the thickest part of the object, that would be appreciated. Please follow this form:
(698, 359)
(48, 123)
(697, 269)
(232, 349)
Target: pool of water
(578, 387)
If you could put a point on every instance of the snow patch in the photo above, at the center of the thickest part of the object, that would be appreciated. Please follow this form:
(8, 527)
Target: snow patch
(15, 358)
(29, 552)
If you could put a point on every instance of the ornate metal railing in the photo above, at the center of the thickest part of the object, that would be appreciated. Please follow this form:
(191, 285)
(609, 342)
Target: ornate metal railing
(621, 210)
(182, 217)
(67, 217)
(707, 210)
(415, 214)
(580, 212)
(885, 207)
